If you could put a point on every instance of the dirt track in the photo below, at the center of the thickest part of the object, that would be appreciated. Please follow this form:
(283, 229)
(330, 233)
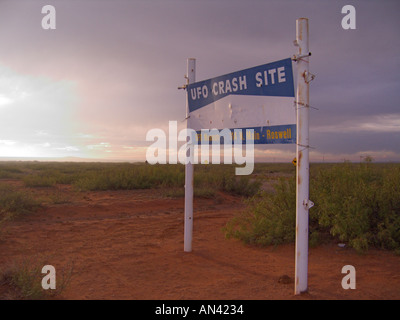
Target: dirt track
(129, 245)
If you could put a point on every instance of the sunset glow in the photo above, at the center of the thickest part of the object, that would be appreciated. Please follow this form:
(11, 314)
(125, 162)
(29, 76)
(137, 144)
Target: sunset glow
(108, 73)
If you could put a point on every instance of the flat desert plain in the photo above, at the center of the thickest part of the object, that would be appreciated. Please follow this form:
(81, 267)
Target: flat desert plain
(128, 244)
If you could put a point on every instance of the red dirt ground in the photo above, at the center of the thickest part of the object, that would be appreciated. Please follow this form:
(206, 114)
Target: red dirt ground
(129, 245)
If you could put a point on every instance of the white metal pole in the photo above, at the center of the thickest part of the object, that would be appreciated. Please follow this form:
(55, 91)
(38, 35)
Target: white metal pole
(302, 172)
(191, 76)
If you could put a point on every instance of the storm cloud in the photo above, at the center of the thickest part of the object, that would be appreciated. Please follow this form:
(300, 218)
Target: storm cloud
(110, 72)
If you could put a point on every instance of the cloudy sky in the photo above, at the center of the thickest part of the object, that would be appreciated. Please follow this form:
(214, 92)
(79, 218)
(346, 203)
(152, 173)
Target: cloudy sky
(109, 72)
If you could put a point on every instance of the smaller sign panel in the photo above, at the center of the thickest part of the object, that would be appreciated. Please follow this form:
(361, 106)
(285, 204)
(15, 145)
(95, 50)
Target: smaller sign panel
(259, 98)
(256, 135)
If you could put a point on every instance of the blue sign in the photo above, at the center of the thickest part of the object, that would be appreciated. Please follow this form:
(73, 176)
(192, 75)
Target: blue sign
(282, 134)
(272, 79)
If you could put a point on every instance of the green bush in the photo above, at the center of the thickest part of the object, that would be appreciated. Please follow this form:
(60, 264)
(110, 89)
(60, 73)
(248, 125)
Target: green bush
(208, 179)
(240, 185)
(14, 203)
(23, 279)
(39, 180)
(130, 177)
(356, 203)
(9, 171)
(270, 218)
(360, 204)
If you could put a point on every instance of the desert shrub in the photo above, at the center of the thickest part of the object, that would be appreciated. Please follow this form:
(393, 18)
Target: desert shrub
(39, 180)
(360, 204)
(208, 179)
(223, 178)
(10, 171)
(24, 280)
(280, 168)
(14, 203)
(355, 203)
(240, 185)
(269, 219)
(388, 207)
(131, 177)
